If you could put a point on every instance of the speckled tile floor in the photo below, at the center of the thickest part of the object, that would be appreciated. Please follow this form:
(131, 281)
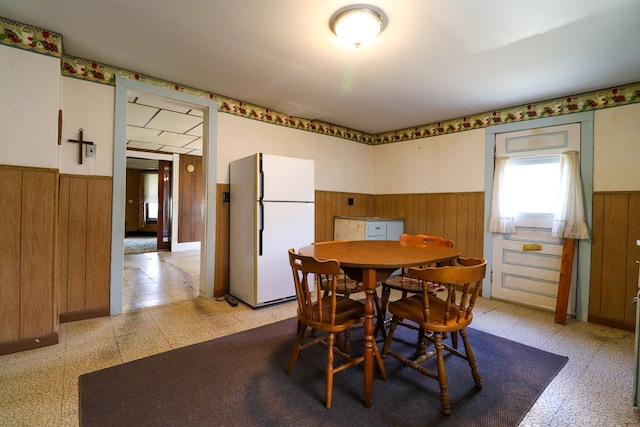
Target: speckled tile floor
(39, 387)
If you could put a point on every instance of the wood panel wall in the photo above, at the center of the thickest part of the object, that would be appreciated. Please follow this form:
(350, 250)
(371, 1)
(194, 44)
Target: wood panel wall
(85, 249)
(329, 204)
(28, 271)
(190, 199)
(455, 216)
(221, 273)
(614, 272)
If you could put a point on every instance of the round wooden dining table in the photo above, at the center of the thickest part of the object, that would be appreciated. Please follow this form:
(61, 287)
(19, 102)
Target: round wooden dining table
(372, 261)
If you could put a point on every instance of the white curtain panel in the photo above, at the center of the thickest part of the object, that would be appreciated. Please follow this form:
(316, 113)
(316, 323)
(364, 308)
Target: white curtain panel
(502, 220)
(568, 220)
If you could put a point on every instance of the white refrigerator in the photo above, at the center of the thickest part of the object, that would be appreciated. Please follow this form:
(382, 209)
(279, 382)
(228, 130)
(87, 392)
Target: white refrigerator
(271, 210)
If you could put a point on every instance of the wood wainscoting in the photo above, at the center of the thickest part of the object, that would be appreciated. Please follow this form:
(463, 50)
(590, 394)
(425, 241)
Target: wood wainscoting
(455, 216)
(329, 204)
(28, 270)
(84, 246)
(614, 272)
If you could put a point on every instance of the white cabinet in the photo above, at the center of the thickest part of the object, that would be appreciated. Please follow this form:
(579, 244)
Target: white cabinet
(370, 228)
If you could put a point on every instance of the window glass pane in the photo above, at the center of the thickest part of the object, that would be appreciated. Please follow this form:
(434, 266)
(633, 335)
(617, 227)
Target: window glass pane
(533, 184)
(152, 211)
(151, 187)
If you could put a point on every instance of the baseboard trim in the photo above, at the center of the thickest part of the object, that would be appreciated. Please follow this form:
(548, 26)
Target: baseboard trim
(28, 343)
(599, 320)
(84, 314)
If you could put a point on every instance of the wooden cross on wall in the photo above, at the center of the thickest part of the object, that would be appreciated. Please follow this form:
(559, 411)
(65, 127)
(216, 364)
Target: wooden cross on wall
(81, 142)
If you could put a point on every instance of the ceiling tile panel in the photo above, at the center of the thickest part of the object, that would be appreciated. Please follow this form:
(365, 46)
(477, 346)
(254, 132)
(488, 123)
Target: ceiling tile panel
(178, 150)
(173, 122)
(136, 145)
(197, 144)
(174, 139)
(141, 134)
(196, 131)
(139, 115)
(162, 103)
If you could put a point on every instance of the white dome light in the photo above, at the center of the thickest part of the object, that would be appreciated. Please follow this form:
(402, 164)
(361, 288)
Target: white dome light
(357, 26)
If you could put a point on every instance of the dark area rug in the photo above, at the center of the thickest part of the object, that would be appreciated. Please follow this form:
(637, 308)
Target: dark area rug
(240, 380)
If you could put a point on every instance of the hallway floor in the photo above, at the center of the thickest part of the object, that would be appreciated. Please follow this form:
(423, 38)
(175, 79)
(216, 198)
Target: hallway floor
(159, 278)
(40, 387)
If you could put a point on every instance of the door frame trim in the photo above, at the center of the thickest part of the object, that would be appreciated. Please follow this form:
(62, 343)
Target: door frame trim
(210, 149)
(586, 171)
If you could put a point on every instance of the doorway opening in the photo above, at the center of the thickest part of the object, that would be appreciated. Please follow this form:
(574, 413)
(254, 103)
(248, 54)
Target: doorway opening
(162, 123)
(148, 208)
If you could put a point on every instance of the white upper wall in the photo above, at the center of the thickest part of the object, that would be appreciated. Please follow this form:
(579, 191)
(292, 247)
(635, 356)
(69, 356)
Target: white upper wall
(33, 91)
(29, 90)
(439, 164)
(616, 146)
(88, 106)
(339, 165)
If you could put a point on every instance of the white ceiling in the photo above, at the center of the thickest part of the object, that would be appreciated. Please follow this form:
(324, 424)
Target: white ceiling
(436, 60)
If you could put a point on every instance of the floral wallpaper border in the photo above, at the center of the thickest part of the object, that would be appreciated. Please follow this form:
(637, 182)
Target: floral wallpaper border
(30, 38)
(49, 43)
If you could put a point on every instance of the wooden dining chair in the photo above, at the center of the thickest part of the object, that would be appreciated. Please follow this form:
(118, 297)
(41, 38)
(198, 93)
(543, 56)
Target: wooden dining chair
(332, 314)
(402, 282)
(449, 311)
(348, 286)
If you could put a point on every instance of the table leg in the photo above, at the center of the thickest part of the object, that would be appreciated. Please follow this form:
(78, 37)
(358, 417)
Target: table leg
(369, 282)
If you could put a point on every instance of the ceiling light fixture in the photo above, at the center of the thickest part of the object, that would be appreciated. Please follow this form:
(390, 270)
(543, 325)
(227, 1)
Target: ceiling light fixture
(357, 25)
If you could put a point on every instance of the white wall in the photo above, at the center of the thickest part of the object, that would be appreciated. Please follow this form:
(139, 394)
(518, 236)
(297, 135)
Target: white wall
(440, 164)
(340, 165)
(89, 106)
(29, 93)
(616, 165)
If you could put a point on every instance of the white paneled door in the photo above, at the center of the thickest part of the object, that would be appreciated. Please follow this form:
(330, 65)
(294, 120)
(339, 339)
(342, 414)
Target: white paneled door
(526, 264)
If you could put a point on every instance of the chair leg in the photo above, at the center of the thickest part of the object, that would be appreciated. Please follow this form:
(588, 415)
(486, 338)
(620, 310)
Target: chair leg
(454, 339)
(471, 359)
(347, 341)
(297, 347)
(421, 347)
(382, 312)
(376, 353)
(387, 342)
(442, 376)
(329, 370)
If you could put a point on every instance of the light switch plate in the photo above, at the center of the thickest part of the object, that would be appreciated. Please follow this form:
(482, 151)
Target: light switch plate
(91, 150)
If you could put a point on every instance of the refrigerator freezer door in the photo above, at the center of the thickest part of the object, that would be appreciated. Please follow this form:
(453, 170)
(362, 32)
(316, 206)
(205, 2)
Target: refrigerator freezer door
(286, 179)
(285, 225)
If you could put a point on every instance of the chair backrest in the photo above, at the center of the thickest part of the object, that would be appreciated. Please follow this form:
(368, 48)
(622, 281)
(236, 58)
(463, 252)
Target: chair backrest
(425, 239)
(463, 283)
(311, 305)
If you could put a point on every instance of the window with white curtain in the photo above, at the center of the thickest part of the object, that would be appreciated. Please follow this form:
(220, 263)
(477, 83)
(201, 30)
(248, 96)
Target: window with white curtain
(532, 184)
(151, 196)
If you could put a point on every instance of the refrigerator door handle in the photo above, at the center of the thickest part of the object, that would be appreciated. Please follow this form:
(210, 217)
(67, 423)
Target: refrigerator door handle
(260, 228)
(261, 189)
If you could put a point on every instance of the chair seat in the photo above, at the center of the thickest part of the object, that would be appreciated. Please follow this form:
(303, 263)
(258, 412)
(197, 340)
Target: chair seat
(411, 308)
(348, 313)
(410, 285)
